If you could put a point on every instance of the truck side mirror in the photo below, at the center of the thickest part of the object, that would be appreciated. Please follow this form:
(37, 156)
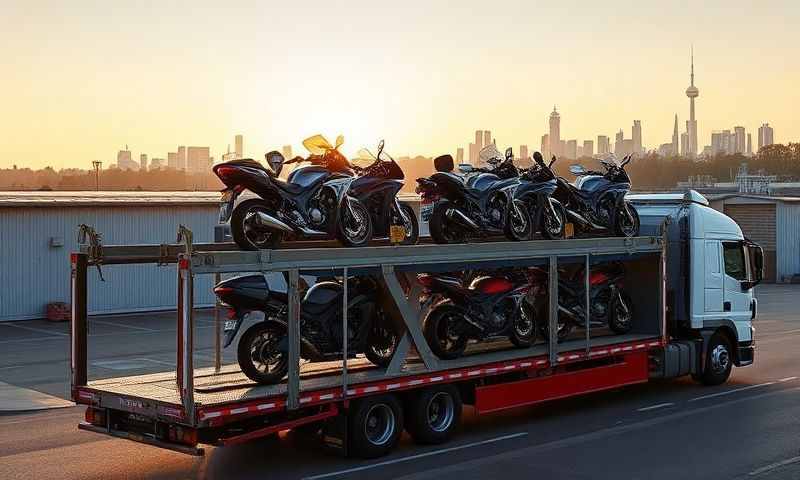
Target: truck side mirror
(755, 257)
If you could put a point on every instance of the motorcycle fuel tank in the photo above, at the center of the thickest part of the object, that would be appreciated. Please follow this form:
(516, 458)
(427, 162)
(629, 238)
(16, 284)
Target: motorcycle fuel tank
(491, 285)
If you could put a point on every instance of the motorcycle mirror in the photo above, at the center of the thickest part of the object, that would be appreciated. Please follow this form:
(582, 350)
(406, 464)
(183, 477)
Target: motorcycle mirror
(577, 169)
(339, 141)
(380, 149)
(552, 161)
(275, 161)
(509, 153)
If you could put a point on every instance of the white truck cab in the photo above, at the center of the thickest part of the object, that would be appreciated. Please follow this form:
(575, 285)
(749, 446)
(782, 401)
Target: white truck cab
(711, 271)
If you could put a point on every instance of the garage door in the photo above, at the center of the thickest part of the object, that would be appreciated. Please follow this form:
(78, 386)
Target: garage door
(757, 222)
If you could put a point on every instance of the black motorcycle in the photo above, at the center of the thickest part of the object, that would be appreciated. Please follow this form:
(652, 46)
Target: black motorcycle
(493, 306)
(533, 208)
(609, 305)
(458, 207)
(313, 203)
(376, 186)
(263, 348)
(596, 202)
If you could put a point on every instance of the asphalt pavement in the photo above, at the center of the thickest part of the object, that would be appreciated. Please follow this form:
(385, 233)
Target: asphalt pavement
(747, 428)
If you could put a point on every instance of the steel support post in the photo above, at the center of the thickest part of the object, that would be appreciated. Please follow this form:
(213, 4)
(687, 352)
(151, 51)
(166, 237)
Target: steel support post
(293, 385)
(217, 330)
(78, 321)
(411, 319)
(344, 332)
(552, 295)
(586, 293)
(185, 371)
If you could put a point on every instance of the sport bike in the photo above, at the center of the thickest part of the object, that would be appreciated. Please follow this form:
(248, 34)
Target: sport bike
(488, 307)
(263, 348)
(458, 207)
(376, 187)
(313, 203)
(533, 208)
(596, 202)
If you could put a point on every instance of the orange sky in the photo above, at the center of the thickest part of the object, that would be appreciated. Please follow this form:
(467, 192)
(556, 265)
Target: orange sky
(82, 79)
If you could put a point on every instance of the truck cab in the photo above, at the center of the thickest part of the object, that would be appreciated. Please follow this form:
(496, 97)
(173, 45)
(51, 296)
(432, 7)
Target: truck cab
(711, 270)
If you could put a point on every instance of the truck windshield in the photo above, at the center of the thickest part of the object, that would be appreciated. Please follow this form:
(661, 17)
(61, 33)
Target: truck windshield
(735, 266)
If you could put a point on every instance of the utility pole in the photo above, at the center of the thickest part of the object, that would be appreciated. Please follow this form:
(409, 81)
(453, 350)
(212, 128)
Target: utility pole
(97, 166)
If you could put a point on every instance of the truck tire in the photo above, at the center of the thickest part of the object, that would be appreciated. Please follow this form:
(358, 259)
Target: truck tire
(375, 425)
(433, 414)
(719, 361)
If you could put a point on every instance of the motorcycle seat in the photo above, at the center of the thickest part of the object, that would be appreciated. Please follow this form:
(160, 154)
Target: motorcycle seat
(288, 187)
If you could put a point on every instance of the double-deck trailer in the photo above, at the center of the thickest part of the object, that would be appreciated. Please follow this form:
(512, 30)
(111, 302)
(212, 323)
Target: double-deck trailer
(692, 312)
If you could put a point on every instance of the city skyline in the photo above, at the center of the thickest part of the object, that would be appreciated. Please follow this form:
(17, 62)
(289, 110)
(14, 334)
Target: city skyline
(93, 83)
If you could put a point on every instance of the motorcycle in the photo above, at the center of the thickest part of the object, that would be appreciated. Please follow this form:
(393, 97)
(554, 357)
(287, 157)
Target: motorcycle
(458, 207)
(609, 305)
(313, 203)
(596, 202)
(376, 186)
(263, 348)
(489, 307)
(533, 208)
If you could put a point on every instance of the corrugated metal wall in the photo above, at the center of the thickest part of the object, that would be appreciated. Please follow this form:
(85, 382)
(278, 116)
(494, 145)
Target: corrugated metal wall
(788, 240)
(32, 273)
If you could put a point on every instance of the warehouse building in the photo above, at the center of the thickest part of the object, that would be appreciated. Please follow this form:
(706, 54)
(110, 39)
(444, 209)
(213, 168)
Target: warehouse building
(773, 223)
(38, 231)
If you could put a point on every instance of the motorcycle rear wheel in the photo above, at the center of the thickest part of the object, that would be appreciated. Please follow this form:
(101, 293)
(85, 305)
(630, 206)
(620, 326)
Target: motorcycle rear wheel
(620, 319)
(441, 331)
(381, 345)
(259, 347)
(412, 226)
(443, 230)
(245, 231)
(523, 331)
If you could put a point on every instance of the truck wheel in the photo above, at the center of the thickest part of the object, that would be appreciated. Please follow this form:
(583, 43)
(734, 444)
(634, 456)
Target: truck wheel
(375, 426)
(433, 414)
(719, 360)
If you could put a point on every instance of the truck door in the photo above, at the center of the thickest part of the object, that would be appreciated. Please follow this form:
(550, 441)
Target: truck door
(737, 300)
(713, 278)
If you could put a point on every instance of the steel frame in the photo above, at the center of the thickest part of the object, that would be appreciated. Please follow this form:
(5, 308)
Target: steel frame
(387, 262)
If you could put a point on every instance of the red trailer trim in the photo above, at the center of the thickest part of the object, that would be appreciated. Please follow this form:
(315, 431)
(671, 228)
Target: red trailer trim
(491, 398)
(216, 415)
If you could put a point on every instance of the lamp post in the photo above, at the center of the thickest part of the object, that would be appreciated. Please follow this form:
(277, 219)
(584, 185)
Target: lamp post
(97, 165)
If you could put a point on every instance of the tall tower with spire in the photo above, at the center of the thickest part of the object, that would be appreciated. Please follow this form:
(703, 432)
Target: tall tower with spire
(675, 138)
(555, 133)
(691, 126)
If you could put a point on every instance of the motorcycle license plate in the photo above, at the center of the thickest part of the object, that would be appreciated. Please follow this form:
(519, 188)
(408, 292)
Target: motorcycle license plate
(426, 211)
(226, 205)
(569, 230)
(230, 325)
(397, 233)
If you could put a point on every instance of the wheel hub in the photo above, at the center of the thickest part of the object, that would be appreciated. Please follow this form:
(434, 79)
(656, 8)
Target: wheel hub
(720, 359)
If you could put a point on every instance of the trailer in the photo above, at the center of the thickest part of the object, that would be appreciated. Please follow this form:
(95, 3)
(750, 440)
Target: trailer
(361, 409)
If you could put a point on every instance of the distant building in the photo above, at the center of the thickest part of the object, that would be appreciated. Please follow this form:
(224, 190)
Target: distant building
(676, 139)
(143, 162)
(238, 146)
(473, 154)
(181, 158)
(618, 143)
(588, 148)
(572, 150)
(685, 144)
(765, 136)
(459, 155)
(523, 154)
(636, 134)
(579, 151)
(487, 138)
(749, 144)
(665, 150)
(125, 161)
(287, 152)
(740, 142)
(555, 133)
(172, 160)
(198, 159)
(627, 146)
(603, 145)
(545, 147)
(156, 163)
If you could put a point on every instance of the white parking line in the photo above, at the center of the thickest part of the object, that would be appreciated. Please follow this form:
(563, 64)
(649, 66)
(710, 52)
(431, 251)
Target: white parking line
(654, 407)
(773, 466)
(101, 322)
(37, 330)
(414, 457)
(728, 392)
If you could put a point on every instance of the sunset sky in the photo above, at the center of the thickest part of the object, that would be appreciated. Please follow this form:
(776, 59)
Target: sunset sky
(82, 79)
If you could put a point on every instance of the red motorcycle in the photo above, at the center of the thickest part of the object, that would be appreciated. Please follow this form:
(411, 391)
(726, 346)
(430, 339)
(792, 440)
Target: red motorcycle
(488, 307)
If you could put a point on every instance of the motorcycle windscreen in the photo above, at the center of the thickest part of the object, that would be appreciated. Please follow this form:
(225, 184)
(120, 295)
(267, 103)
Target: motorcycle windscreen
(317, 144)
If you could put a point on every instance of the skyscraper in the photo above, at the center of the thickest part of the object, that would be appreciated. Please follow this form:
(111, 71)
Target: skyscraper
(588, 148)
(487, 138)
(125, 161)
(459, 155)
(619, 142)
(238, 147)
(675, 139)
(603, 145)
(172, 160)
(473, 155)
(636, 135)
(740, 143)
(143, 162)
(691, 126)
(523, 154)
(198, 159)
(555, 133)
(749, 144)
(572, 150)
(765, 136)
(545, 148)
(181, 158)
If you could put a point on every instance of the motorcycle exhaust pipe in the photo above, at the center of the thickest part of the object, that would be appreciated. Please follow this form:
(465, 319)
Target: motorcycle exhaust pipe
(272, 222)
(459, 217)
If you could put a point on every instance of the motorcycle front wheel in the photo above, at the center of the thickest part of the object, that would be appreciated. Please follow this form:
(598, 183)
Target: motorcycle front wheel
(442, 330)
(626, 221)
(620, 318)
(519, 226)
(443, 230)
(523, 331)
(355, 224)
(247, 231)
(259, 353)
(553, 225)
